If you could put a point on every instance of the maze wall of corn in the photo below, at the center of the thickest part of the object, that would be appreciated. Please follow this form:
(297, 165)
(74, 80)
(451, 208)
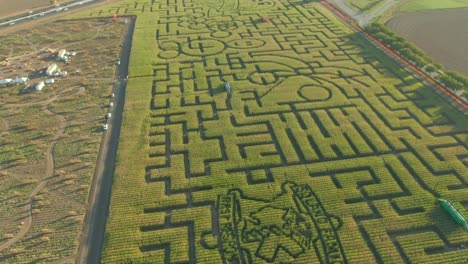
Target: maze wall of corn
(323, 151)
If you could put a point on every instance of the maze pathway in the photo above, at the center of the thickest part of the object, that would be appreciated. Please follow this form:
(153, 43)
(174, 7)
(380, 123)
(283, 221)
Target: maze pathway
(323, 151)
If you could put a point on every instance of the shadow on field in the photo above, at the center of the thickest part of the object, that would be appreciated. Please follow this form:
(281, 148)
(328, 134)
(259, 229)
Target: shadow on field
(219, 89)
(442, 109)
(7, 256)
(444, 221)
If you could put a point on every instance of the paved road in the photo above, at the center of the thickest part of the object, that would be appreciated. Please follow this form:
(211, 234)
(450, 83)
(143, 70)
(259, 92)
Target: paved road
(94, 228)
(6, 22)
(363, 18)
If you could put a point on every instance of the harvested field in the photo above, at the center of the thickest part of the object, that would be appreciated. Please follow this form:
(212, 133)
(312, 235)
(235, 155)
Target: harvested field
(49, 139)
(442, 34)
(9, 7)
(418, 5)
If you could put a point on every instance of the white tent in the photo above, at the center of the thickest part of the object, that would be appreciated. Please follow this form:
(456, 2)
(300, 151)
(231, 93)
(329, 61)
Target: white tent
(62, 54)
(51, 69)
(5, 81)
(39, 86)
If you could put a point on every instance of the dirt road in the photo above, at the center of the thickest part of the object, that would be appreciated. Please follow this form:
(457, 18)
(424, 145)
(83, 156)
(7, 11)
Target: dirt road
(94, 228)
(364, 18)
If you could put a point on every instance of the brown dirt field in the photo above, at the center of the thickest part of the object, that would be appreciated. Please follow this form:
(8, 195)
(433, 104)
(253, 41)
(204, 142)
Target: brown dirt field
(10, 8)
(43, 202)
(442, 34)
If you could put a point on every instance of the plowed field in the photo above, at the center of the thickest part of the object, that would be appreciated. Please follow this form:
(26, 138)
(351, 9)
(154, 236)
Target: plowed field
(442, 34)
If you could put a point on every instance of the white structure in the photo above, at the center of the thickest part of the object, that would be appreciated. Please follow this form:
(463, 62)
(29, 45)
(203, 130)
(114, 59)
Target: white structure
(62, 54)
(105, 126)
(111, 104)
(20, 80)
(39, 86)
(6, 81)
(228, 87)
(51, 69)
(49, 81)
(61, 73)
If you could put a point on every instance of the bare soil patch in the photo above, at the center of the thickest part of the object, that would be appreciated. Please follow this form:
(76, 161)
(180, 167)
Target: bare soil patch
(49, 139)
(442, 34)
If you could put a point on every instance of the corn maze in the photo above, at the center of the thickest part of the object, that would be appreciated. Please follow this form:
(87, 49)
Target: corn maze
(323, 151)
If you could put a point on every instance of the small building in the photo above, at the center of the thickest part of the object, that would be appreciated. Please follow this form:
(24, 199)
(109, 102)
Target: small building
(50, 81)
(62, 54)
(51, 69)
(39, 86)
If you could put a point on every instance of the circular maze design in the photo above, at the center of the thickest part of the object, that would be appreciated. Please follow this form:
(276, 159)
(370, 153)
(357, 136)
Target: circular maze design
(322, 150)
(315, 93)
(203, 47)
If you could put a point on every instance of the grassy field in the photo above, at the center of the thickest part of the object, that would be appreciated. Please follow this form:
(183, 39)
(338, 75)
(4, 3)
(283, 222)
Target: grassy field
(419, 5)
(64, 119)
(323, 151)
(363, 5)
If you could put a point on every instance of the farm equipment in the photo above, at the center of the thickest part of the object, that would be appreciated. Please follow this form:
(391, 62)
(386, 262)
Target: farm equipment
(454, 213)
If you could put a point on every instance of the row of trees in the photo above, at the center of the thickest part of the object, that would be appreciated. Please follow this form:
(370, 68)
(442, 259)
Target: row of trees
(417, 56)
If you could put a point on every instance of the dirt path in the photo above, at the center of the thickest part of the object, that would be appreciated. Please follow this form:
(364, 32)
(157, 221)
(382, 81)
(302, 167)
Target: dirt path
(363, 18)
(94, 229)
(49, 172)
(48, 101)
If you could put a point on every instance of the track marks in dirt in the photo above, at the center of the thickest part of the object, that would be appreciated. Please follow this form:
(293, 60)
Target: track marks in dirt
(28, 222)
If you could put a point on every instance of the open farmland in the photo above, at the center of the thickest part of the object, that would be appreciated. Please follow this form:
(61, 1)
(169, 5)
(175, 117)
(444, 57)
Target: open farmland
(441, 33)
(418, 5)
(323, 151)
(49, 139)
